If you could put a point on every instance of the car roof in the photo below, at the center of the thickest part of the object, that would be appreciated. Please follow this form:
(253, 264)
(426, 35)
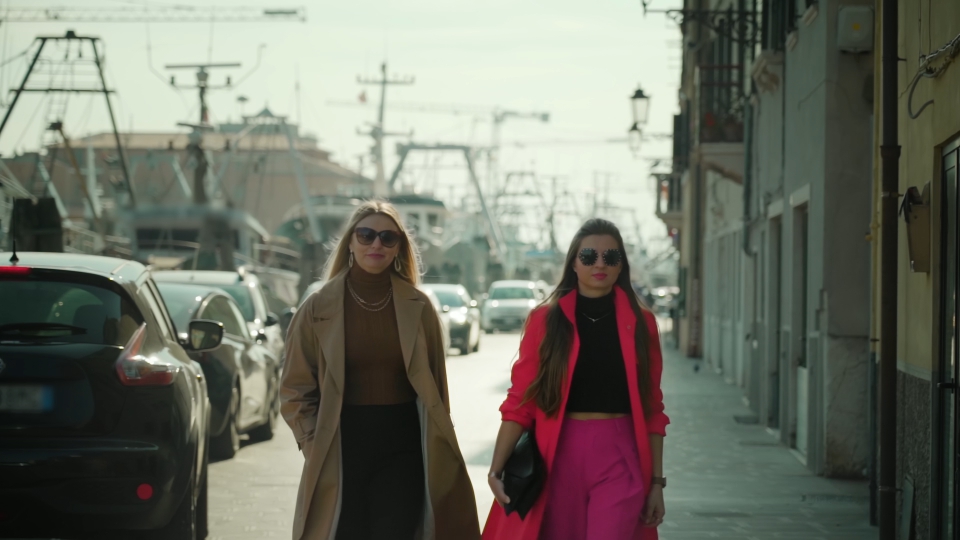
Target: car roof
(198, 288)
(203, 277)
(120, 270)
(523, 283)
(443, 286)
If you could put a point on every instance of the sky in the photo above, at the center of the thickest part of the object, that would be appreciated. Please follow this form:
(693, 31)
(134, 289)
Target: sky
(579, 61)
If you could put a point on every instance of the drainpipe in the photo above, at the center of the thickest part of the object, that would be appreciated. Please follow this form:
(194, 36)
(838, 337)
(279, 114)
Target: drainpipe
(747, 176)
(890, 184)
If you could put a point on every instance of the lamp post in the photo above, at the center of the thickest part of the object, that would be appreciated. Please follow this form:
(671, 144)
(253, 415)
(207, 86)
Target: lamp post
(634, 138)
(640, 105)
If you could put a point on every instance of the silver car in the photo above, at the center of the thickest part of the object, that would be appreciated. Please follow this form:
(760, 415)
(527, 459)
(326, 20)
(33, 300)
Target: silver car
(462, 314)
(508, 304)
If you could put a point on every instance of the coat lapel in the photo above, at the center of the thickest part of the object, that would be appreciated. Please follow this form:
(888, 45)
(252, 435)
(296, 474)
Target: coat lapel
(408, 308)
(330, 331)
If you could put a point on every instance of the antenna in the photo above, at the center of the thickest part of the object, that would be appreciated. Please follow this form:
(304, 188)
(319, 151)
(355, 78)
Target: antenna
(13, 258)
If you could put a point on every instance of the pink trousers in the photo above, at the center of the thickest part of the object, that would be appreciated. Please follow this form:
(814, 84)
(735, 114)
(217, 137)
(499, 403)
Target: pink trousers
(594, 491)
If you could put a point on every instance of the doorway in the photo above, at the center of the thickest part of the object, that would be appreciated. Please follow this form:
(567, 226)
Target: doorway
(773, 324)
(946, 490)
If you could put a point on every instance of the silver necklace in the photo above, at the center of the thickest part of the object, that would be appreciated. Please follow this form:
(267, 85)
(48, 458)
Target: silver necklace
(370, 306)
(591, 319)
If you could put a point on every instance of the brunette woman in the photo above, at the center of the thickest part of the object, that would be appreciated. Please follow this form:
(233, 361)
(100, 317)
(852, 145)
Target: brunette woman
(364, 390)
(588, 383)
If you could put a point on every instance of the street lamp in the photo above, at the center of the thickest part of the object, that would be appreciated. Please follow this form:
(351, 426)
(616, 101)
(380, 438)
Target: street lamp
(641, 106)
(634, 138)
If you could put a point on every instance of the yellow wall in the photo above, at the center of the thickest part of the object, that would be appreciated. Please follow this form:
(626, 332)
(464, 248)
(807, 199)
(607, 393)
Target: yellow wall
(939, 23)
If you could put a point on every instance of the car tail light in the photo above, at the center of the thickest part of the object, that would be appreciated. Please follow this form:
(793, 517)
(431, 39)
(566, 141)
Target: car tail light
(144, 492)
(14, 271)
(135, 369)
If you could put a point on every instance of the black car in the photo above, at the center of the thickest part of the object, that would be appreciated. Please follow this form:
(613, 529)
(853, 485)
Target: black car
(244, 287)
(242, 375)
(104, 419)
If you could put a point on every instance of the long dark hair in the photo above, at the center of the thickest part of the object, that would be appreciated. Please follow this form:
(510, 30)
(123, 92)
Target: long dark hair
(547, 388)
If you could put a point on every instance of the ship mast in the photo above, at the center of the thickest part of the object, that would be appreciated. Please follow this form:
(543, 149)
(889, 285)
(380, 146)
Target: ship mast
(376, 130)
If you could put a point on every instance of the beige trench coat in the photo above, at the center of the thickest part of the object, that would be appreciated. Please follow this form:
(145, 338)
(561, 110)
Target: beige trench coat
(311, 394)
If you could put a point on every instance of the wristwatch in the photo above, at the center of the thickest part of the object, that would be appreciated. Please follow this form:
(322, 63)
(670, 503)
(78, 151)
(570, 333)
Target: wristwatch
(660, 480)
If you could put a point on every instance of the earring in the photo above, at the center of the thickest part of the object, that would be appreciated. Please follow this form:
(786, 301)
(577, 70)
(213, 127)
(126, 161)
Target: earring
(396, 263)
(350, 260)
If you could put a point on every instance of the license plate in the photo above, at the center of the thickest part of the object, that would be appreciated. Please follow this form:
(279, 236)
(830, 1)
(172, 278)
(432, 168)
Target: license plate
(26, 398)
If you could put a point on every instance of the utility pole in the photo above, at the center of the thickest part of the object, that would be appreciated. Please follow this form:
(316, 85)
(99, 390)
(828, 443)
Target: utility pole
(377, 131)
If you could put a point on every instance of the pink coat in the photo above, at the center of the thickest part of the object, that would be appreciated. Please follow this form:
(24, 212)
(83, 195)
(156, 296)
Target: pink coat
(502, 527)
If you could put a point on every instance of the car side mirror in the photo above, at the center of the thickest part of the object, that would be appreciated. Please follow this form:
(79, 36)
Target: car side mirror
(272, 319)
(473, 303)
(204, 335)
(287, 317)
(446, 309)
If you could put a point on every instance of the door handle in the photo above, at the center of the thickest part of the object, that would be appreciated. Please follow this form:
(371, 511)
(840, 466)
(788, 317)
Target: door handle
(947, 386)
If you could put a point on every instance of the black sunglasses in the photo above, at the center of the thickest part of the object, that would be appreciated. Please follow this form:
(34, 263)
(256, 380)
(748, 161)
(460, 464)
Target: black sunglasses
(366, 236)
(611, 257)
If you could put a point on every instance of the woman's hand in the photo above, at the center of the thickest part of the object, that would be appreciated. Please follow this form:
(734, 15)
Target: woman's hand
(654, 511)
(496, 486)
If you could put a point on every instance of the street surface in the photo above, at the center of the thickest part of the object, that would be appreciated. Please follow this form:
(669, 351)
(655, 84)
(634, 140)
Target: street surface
(726, 480)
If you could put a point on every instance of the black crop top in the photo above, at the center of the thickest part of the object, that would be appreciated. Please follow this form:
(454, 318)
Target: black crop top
(599, 382)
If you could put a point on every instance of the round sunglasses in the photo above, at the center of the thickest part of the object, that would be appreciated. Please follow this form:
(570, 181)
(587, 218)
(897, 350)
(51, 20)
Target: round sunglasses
(611, 257)
(366, 236)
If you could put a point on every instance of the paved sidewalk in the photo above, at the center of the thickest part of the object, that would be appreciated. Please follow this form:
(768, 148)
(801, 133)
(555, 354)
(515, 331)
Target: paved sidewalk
(728, 480)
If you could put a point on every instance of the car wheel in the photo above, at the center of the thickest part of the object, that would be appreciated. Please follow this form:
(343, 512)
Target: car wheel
(227, 444)
(488, 330)
(476, 346)
(265, 432)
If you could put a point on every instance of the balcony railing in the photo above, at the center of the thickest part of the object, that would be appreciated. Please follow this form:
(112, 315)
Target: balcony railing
(721, 109)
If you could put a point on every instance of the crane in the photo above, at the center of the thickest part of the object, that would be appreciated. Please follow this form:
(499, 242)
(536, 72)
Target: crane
(176, 13)
(497, 115)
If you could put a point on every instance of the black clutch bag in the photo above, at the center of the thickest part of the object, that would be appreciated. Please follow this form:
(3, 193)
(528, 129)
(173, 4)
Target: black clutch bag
(524, 475)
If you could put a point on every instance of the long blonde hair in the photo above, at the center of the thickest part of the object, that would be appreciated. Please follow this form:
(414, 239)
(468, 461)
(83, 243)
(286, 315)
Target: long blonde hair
(409, 255)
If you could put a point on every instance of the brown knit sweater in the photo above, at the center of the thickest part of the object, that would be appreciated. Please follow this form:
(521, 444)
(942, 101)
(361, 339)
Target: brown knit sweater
(374, 373)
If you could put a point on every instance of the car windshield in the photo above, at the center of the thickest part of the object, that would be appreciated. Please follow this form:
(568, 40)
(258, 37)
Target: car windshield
(511, 293)
(182, 302)
(62, 311)
(449, 298)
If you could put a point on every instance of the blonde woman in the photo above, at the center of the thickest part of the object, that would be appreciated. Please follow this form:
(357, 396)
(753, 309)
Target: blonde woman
(364, 390)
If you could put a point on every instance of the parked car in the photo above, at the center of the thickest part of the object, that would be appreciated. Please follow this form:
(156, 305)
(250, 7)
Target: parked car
(242, 375)
(462, 314)
(104, 418)
(247, 290)
(507, 304)
(444, 318)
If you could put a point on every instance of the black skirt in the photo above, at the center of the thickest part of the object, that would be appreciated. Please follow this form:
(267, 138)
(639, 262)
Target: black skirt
(383, 475)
